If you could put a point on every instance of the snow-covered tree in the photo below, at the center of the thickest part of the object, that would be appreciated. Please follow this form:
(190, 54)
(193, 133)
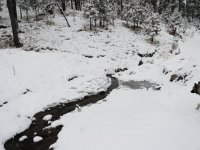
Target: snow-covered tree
(91, 12)
(24, 5)
(112, 11)
(126, 13)
(175, 21)
(1, 5)
(152, 25)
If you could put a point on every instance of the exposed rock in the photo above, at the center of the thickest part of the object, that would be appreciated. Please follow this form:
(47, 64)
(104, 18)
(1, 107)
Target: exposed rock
(120, 70)
(165, 71)
(27, 91)
(72, 78)
(147, 54)
(196, 88)
(88, 56)
(67, 39)
(140, 63)
(176, 77)
(173, 77)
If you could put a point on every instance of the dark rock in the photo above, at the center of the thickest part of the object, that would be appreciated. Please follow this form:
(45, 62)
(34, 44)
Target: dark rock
(72, 78)
(27, 91)
(165, 71)
(158, 88)
(79, 30)
(88, 56)
(140, 63)
(5, 102)
(147, 54)
(120, 70)
(173, 77)
(7, 36)
(196, 88)
(67, 39)
(101, 56)
(20, 31)
(176, 77)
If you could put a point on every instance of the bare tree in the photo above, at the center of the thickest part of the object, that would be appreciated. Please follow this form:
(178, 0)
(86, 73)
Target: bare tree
(11, 4)
(63, 5)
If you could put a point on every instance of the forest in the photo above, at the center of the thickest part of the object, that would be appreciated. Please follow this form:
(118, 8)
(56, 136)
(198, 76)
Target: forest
(145, 14)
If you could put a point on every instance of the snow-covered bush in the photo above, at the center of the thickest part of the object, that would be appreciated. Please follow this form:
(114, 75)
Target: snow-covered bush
(50, 22)
(152, 25)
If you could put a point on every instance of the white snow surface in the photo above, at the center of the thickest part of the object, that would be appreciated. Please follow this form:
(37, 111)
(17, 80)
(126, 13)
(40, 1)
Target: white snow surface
(37, 139)
(23, 138)
(129, 119)
(141, 119)
(47, 117)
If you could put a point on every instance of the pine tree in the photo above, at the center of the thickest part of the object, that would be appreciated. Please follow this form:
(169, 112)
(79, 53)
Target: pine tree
(112, 11)
(152, 25)
(91, 12)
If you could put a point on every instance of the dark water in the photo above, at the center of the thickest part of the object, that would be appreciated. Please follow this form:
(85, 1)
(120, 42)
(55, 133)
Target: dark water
(49, 135)
(141, 85)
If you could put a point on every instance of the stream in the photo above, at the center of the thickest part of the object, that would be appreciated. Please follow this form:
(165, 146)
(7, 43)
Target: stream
(39, 126)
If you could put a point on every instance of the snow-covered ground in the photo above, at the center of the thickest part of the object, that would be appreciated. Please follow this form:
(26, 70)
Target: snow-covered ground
(140, 119)
(129, 119)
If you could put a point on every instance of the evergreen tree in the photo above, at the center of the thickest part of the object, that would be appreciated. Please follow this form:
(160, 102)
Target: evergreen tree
(91, 12)
(152, 25)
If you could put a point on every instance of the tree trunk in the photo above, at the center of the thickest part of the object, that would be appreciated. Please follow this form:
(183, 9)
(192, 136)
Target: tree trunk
(100, 22)
(79, 4)
(20, 9)
(26, 10)
(75, 3)
(35, 7)
(11, 4)
(61, 11)
(63, 5)
(121, 3)
(90, 23)
(71, 4)
(95, 22)
(152, 38)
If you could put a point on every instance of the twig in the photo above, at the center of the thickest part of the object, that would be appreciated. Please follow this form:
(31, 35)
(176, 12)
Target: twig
(13, 69)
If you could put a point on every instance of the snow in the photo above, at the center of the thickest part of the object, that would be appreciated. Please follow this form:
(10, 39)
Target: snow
(37, 139)
(47, 117)
(133, 120)
(141, 119)
(23, 138)
(129, 119)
